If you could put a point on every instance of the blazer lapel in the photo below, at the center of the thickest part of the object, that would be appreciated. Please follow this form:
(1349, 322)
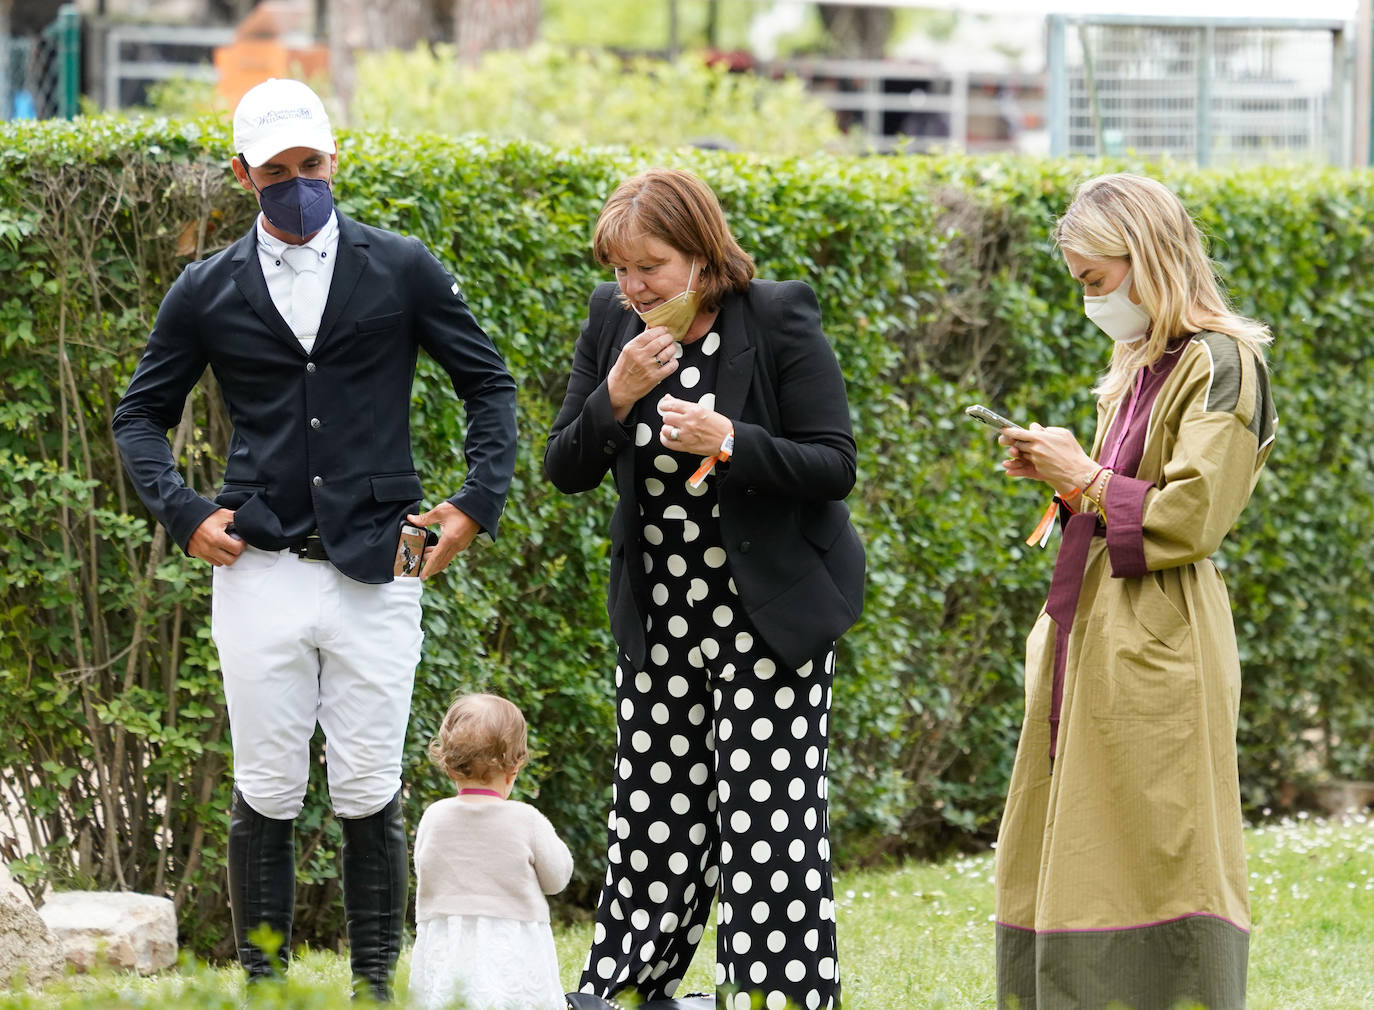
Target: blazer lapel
(737, 355)
(349, 264)
(253, 286)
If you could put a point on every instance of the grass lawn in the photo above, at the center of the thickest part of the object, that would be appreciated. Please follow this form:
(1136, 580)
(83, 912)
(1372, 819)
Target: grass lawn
(920, 937)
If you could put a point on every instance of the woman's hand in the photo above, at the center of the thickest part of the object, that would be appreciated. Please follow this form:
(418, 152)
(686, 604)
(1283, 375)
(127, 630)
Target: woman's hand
(1049, 454)
(643, 363)
(690, 427)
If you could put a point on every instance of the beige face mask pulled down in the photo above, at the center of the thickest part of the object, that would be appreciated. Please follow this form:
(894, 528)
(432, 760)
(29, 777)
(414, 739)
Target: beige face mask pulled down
(676, 313)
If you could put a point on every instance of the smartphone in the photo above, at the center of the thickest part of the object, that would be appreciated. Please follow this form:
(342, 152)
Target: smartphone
(980, 413)
(410, 551)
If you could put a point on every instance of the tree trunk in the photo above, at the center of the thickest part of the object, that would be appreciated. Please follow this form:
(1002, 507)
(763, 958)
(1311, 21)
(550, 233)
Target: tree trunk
(480, 25)
(371, 24)
(858, 32)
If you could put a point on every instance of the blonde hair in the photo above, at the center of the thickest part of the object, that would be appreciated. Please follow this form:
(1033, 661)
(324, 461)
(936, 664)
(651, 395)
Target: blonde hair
(1131, 217)
(481, 735)
(675, 207)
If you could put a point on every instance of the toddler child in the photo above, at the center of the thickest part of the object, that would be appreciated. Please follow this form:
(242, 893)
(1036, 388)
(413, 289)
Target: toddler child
(483, 864)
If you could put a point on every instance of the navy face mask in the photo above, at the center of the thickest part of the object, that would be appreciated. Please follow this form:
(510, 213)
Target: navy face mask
(298, 206)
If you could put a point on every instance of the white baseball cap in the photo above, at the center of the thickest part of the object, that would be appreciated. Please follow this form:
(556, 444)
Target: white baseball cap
(279, 114)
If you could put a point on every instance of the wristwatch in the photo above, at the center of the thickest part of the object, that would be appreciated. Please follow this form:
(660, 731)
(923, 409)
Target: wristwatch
(727, 447)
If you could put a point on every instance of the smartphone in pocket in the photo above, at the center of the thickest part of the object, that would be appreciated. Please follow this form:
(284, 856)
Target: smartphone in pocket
(410, 551)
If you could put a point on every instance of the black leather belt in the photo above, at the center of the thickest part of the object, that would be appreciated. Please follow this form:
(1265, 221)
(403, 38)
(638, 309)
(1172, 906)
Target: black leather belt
(310, 549)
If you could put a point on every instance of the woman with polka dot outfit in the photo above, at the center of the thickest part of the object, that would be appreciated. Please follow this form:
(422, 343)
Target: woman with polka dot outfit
(727, 593)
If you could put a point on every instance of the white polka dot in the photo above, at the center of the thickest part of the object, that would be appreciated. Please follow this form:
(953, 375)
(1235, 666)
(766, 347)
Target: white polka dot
(795, 971)
(695, 658)
(722, 615)
(758, 971)
(697, 833)
(643, 683)
(813, 1000)
(805, 669)
(658, 893)
(675, 512)
(680, 803)
(815, 696)
(677, 864)
(639, 801)
(760, 790)
(665, 464)
(739, 821)
(669, 922)
(677, 626)
(696, 714)
(765, 668)
(781, 759)
(799, 728)
(643, 434)
(742, 882)
(723, 791)
(710, 648)
(697, 591)
(761, 852)
(677, 348)
(779, 881)
(811, 939)
(677, 566)
(775, 1001)
(659, 713)
(678, 744)
(694, 934)
(726, 728)
(640, 742)
(813, 879)
(813, 757)
(659, 655)
(639, 919)
(796, 911)
(779, 821)
(826, 967)
(613, 853)
(626, 887)
(653, 534)
(690, 531)
(739, 760)
(605, 967)
(653, 486)
(742, 943)
(776, 941)
(741, 1001)
(796, 850)
(821, 723)
(744, 641)
(690, 377)
(659, 594)
(660, 772)
(648, 561)
(710, 343)
(763, 729)
(796, 789)
(714, 556)
(720, 973)
(784, 697)
(677, 686)
(809, 818)
(627, 709)
(760, 911)
(622, 828)
(727, 854)
(639, 860)
(658, 832)
(744, 698)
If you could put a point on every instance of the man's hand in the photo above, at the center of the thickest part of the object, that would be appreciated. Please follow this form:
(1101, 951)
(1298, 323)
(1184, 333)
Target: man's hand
(211, 543)
(456, 530)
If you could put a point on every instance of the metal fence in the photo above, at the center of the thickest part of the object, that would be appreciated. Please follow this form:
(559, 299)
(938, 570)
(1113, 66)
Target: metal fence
(40, 78)
(1213, 90)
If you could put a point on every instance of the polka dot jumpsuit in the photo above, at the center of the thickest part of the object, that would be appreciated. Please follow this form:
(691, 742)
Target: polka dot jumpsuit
(720, 778)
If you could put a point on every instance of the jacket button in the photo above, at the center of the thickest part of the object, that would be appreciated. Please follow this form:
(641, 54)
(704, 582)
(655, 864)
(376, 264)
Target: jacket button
(749, 491)
(314, 422)
(318, 481)
(310, 367)
(743, 547)
(610, 448)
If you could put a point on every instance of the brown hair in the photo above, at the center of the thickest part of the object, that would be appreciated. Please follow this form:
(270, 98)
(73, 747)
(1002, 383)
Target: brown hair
(481, 735)
(675, 207)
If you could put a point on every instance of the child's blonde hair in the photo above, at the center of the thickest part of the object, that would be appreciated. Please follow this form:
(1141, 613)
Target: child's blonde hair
(481, 735)
(1135, 218)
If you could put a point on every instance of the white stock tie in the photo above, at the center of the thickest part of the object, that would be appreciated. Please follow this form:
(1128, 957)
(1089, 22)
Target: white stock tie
(307, 292)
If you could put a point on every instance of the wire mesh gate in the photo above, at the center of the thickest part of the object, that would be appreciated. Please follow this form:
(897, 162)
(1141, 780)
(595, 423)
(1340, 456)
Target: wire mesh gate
(40, 77)
(1211, 90)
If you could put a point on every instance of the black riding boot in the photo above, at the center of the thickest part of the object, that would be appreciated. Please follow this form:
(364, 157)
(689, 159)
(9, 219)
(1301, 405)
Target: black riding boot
(375, 875)
(262, 885)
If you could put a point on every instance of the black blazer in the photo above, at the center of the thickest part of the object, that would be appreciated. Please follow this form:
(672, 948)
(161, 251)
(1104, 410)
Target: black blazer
(794, 556)
(321, 440)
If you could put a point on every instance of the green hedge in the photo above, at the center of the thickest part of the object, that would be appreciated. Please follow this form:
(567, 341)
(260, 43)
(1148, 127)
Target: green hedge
(940, 286)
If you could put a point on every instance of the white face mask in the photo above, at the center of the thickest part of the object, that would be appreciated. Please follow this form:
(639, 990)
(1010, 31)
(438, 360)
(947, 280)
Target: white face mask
(1116, 315)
